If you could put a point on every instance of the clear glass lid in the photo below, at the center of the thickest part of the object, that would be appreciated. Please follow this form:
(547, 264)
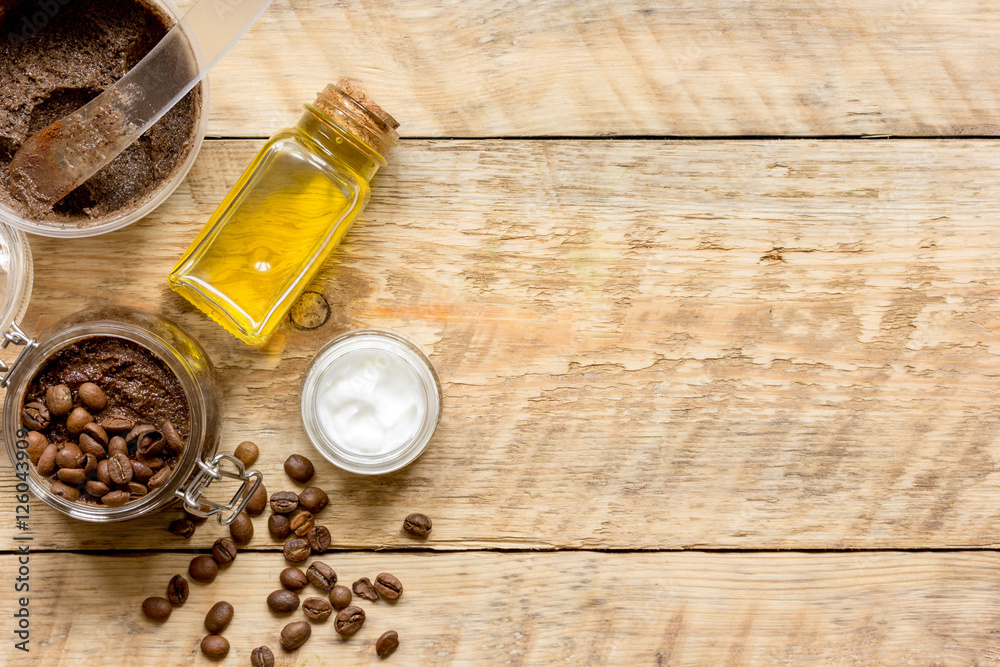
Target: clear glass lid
(15, 276)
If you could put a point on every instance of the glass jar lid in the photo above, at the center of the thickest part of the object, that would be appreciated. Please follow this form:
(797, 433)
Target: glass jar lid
(15, 276)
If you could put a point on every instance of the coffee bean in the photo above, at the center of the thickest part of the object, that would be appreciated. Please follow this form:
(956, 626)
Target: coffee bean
(293, 579)
(36, 416)
(117, 424)
(224, 551)
(132, 437)
(159, 478)
(182, 527)
(278, 526)
(241, 529)
(218, 617)
(90, 446)
(120, 469)
(150, 443)
(59, 400)
(313, 499)
(247, 452)
(321, 576)
(319, 539)
(299, 468)
(117, 446)
(92, 396)
(47, 461)
(317, 609)
(363, 588)
(301, 523)
(116, 498)
(137, 490)
(388, 586)
(203, 568)
(295, 635)
(172, 437)
(72, 475)
(141, 472)
(215, 647)
(349, 621)
(177, 590)
(284, 502)
(257, 502)
(386, 644)
(340, 597)
(97, 488)
(154, 462)
(37, 443)
(417, 525)
(297, 550)
(282, 601)
(102, 472)
(96, 432)
(158, 609)
(261, 657)
(70, 456)
(77, 419)
(64, 491)
(89, 464)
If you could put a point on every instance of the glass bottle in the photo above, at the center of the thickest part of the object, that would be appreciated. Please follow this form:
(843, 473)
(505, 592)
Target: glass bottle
(286, 214)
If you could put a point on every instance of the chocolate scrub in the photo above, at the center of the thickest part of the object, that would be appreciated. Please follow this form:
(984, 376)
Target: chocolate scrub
(57, 55)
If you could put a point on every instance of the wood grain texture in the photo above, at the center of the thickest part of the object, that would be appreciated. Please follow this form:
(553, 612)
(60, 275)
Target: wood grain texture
(542, 609)
(642, 344)
(474, 68)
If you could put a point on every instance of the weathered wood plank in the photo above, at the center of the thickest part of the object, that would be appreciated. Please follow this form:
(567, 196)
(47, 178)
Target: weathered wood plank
(541, 609)
(643, 344)
(584, 67)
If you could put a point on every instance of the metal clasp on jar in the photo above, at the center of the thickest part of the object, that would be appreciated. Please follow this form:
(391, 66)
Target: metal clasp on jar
(211, 471)
(15, 336)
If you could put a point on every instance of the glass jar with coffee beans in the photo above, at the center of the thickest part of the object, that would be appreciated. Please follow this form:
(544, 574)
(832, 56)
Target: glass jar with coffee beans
(113, 414)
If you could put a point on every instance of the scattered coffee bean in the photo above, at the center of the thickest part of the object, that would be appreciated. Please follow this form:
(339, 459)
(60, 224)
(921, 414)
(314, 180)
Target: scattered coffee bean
(241, 529)
(388, 586)
(313, 499)
(299, 468)
(150, 444)
(257, 502)
(96, 432)
(293, 579)
(284, 502)
(215, 647)
(117, 424)
(90, 464)
(218, 617)
(279, 526)
(172, 437)
(90, 446)
(319, 539)
(317, 609)
(77, 419)
(386, 644)
(261, 657)
(64, 491)
(102, 472)
(282, 601)
(349, 621)
(97, 488)
(203, 568)
(224, 551)
(247, 452)
(92, 396)
(321, 576)
(295, 635)
(182, 527)
(417, 525)
(47, 461)
(36, 416)
(157, 608)
(132, 437)
(70, 456)
(301, 523)
(72, 475)
(117, 499)
(59, 400)
(117, 446)
(363, 588)
(141, 472)
(177, 590)
(340, 597)
(137, 490)
(120, 469)
(37, 443)
(160, 478)
(297, 550)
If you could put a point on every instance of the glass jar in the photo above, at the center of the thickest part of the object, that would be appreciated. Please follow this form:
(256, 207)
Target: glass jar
(199, 464)
(371, 401)
(285, 215)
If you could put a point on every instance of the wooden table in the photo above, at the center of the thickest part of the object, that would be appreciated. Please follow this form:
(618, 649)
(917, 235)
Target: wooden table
(713, 290)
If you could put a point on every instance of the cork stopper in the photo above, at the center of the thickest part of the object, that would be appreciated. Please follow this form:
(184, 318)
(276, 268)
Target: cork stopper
(350, 108)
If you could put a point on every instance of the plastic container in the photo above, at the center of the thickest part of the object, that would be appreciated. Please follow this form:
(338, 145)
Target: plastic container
(83, 227)
(199, 464)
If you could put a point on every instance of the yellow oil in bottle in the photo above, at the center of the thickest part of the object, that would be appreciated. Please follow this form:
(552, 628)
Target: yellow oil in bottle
(271, 234)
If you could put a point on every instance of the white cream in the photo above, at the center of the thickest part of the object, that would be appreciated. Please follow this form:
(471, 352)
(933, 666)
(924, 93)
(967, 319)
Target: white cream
(370, 401)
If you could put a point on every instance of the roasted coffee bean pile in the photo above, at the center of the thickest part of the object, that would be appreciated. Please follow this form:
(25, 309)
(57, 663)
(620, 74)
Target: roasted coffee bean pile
(110, 460)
